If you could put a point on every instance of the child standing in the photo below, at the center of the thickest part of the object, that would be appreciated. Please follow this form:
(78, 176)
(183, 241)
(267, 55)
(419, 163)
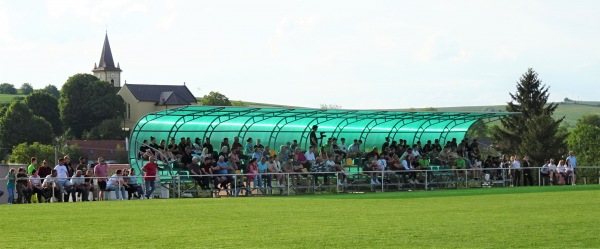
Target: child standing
(10, 185)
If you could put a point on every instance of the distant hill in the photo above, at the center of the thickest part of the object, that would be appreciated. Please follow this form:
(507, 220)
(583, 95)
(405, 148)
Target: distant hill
(572, 110)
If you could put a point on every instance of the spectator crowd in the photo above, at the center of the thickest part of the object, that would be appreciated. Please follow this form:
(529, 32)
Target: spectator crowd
(214, 169)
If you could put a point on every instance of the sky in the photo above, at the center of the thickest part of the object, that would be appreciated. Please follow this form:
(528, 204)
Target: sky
(355, 54)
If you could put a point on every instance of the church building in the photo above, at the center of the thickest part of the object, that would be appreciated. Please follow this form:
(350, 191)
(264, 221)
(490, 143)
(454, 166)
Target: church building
(140, 99)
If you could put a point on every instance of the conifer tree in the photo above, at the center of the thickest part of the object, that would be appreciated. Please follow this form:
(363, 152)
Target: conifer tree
(534, 131)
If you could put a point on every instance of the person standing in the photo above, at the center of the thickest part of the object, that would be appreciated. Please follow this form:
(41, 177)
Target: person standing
(101, 171)
(10, 185)
(572, 162)
(515, 168)
(32, 166)
(150, 176)
(45, 170)
(313, 136)
(527, 173)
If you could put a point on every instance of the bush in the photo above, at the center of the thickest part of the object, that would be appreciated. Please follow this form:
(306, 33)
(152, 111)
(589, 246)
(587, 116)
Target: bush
(23, 152)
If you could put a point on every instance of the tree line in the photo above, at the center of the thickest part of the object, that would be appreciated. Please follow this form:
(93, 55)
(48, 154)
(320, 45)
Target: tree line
(84, 108)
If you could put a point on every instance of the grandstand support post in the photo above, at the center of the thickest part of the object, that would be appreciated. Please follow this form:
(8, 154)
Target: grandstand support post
(382, 179)
(234, 185)
(287, 175)
(539, 178)
(426, 180)
(178, 186)
(466, 179)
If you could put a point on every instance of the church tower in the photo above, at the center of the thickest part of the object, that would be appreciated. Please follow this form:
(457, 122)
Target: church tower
(106, 70)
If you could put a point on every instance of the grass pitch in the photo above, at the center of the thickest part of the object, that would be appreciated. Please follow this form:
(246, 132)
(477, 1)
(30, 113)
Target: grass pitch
(556, 217)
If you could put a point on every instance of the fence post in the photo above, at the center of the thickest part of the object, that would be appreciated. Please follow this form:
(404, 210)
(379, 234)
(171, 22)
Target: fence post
(426, 180)
(466, 179)
(382, 179)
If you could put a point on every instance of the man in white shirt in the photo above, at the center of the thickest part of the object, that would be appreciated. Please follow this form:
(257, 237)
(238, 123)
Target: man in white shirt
(407, 165)
(310, 155)
(343, 146)
(515, 168)
(62, 179)
(572, 162)
(78, 182)
(552, 171)
(50, 186)
(116, 183)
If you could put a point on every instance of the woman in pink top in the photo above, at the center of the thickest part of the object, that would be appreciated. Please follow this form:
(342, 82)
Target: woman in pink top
(101, 172)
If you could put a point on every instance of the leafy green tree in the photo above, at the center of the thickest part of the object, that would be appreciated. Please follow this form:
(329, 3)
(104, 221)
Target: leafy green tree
(590, 119)
(531, 101)
(52, 90)
(430, 109)
(26, 89)
(110, 129)
(23, 152)
(46, 106)
(7, 88)
(85, 102)
(19, 125)
(584, 140)
(215, 99)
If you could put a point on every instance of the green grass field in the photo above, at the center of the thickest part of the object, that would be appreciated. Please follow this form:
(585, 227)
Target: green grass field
(549, 217)
(9, 97)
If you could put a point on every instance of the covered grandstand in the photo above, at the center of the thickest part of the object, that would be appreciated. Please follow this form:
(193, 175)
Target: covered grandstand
(276, 126)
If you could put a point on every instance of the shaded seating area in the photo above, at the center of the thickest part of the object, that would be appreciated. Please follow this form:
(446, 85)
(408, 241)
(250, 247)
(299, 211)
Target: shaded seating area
(280, 126)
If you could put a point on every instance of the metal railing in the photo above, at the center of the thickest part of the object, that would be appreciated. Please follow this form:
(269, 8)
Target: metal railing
(180, 183)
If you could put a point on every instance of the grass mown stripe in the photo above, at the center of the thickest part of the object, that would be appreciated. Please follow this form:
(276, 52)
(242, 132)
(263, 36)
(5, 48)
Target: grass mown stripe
(558, 217)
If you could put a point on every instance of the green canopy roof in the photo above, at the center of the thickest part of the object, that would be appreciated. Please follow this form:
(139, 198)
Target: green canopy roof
(276, 126)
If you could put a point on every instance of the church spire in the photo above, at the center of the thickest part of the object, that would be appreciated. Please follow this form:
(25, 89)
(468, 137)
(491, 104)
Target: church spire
(106, 58)
(106, 70)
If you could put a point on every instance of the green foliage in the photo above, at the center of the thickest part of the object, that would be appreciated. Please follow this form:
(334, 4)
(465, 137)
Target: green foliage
(110, 129)
(26, 89)
(19, 125)
(46, 106)
(590, 119)
(478, 130)
(23, 152)
(52, 90)
(73, 151)
(430, 109)
(541, 140)
(518, 132)
(7, 88)
(85, 102)
(215, 99)
(584, 140)
(239, 103)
